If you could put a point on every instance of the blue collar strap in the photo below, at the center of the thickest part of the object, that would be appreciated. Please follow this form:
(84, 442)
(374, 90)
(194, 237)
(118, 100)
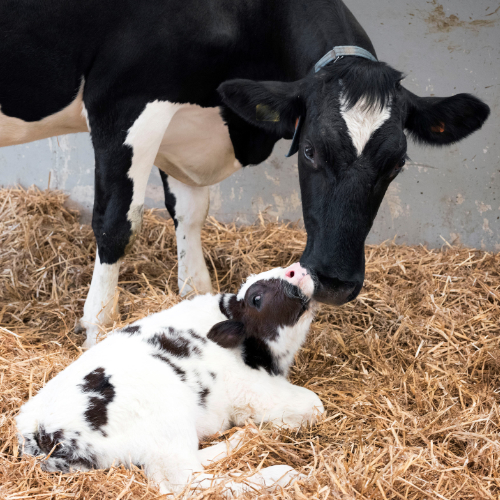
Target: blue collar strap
(341, 51)
(334, 55)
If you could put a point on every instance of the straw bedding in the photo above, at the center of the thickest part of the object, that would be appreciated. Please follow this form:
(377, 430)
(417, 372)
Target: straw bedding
(409, 372)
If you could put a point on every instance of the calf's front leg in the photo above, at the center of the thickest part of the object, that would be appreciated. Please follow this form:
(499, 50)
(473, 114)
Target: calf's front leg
(278, 401)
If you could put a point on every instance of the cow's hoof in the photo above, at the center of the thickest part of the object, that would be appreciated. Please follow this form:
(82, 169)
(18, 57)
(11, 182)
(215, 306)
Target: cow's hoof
(79, 329)
(90, 332)
(88, 344)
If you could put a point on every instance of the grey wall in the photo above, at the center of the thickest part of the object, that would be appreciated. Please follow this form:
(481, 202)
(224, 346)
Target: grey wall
(451, 193)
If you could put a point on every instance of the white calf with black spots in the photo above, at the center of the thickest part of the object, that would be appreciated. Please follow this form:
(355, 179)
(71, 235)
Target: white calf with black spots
(149, 392)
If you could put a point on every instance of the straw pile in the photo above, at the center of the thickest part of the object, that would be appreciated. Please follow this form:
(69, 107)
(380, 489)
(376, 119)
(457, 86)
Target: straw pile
(409, 372)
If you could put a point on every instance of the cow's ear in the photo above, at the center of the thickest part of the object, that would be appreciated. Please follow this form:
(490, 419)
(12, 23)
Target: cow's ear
(228, 333)
(443, 120)
(272, 106)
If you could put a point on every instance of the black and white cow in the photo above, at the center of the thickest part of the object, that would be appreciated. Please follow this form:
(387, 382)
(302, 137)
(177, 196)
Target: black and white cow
(149, 392)
(201, 89)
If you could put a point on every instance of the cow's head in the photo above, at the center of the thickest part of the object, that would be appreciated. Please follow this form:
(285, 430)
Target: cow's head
(354, 115)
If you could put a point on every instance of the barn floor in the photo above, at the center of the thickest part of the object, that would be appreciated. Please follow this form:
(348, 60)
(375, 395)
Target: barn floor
(409, 372)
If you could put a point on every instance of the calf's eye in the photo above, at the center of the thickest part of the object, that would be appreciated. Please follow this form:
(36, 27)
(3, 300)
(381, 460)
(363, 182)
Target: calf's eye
(309, 153)
(256, 301)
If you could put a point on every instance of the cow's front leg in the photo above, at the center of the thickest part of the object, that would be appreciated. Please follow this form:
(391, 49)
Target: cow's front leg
(188, 207)
(126, 139)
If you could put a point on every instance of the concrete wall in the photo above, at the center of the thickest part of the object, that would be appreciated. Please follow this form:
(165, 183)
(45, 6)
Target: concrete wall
(451, 193)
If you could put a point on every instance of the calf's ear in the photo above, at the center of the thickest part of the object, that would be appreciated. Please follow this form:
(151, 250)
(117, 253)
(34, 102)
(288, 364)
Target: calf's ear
(228, 333)
(271, 106)
(443, 120)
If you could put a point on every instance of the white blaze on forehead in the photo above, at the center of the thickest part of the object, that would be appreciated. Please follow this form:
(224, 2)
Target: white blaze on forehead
(276, 273)
(362, 121)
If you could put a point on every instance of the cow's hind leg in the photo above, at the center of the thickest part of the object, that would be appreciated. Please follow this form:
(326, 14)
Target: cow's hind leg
(188, 207)
(126, 137)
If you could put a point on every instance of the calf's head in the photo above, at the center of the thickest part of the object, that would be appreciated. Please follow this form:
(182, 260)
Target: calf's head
(351, 145)
(270, 317)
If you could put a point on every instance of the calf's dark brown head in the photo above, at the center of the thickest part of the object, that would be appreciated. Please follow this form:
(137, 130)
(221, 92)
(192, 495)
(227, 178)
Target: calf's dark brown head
(269, 318)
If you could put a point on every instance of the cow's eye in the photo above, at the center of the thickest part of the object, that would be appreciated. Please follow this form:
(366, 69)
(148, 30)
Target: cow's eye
(399, 166)
(309, 153)
(256, 301)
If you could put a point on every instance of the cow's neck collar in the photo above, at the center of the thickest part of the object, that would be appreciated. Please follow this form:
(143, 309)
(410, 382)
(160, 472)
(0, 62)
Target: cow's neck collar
(341, 51)
(334, 55)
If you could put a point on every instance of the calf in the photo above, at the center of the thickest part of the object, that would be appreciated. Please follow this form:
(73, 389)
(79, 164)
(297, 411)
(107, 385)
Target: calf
(147, 393)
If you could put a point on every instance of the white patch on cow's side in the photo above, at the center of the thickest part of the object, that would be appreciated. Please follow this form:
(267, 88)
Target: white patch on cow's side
(362, 121)
(196, 148)
(98, 310)
(144, 137)
(68, 120)
(85, 115)
(191, 209)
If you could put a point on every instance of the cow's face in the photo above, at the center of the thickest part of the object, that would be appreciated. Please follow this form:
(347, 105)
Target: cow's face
(351, 146)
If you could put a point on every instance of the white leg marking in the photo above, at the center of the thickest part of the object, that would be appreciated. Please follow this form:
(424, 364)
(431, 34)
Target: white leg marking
(144, 137)
(98, 308)
(196, 148)
(362, 122)
(191, 209)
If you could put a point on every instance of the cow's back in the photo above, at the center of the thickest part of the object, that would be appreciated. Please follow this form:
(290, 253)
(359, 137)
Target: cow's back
(47, 49)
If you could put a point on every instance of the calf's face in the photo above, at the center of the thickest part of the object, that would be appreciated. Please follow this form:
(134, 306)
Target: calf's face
(265, 305)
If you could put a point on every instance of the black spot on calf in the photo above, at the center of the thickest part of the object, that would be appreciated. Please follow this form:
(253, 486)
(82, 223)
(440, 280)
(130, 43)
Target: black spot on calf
(256, 354)
(64, 453)
(203, 340)
(131, 330)
(174, 345)
(46, 441)
(103, 392)
(203, 394)
(179, 371)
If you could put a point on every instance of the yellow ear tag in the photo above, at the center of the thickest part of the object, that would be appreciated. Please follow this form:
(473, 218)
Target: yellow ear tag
(263, 113)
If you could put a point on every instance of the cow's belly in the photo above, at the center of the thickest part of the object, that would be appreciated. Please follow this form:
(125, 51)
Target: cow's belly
(196, 148)
(67, 121)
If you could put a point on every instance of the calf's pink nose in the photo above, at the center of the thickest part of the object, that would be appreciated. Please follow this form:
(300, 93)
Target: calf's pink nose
(299, 276)
(295, 272)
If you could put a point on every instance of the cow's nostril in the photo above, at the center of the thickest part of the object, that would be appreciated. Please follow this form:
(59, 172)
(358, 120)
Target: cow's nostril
(290, 274)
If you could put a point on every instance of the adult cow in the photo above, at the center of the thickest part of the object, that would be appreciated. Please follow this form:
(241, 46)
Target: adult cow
(154, 81)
